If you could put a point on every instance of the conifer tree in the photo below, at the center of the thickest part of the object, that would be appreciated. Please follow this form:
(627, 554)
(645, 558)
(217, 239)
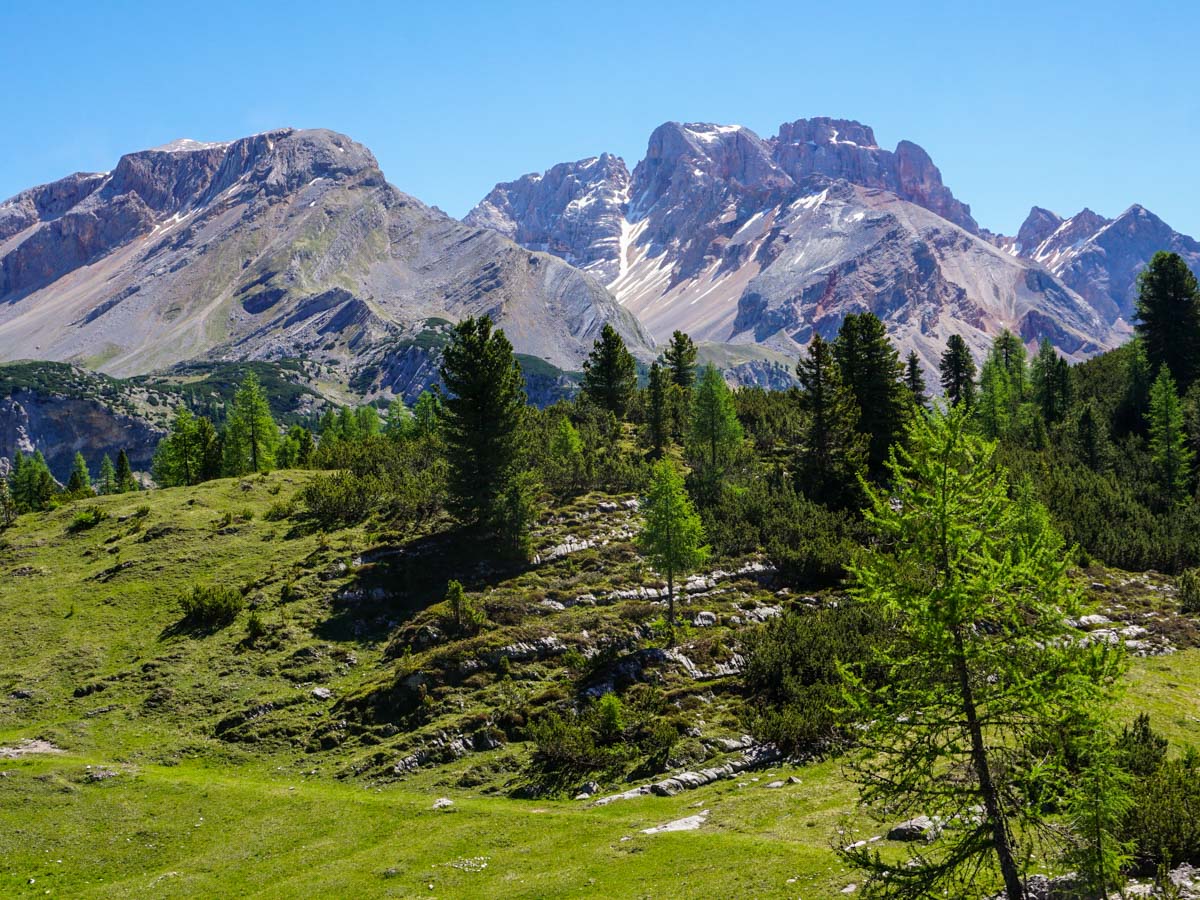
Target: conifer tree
(398, 420)
(481, 419)
(1168, 317)
(657, 413)
(914, 380)
(715, 433)
(980, 666)
(212, 453)
(1009, 353)
(125, 480)
(957, 369)
(1050, 379)
(33, 487)
(8, 506)
(680, 360)
(610, 373)
(426, 411)
(994, 408)
(251, 436)
(1169, 451)
(106, 483)
(831, 454)
(79, 484)
(178, 459)
(1091, 437)
(672, 536)
(566, 457)
(871, 370)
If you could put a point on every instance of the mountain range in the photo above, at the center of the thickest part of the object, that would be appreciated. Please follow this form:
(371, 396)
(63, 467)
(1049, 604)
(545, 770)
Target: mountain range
(292, 244)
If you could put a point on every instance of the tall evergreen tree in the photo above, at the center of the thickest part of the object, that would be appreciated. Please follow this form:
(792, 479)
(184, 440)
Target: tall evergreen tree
(1091, 437)
(251, 435)
(980, 665)
(1169, 451)
(1050, 379)
(106, 483)
(831, 454)
(1168, 317)
(1009, 352)
(567, 465)
(680, 359)
(212, 451)
(610, 373)
(657, 413)
(125, 480)
(995, 406)
(178, 459)
(482, 416)
(871, 370)
(715, 433)
(33, 487)
(8, 506)
(914, 380)
(79, 484)
(672, 535)
(957, 368)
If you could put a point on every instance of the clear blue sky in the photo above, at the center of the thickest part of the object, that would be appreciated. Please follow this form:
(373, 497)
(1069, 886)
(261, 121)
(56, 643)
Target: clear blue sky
(1060, 104)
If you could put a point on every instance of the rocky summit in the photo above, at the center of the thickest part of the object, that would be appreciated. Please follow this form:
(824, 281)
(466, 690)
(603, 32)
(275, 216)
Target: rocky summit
(743, 240)
(285, 243)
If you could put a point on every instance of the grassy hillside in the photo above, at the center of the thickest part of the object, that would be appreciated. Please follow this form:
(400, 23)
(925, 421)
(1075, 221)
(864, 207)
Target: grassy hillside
(185, 761)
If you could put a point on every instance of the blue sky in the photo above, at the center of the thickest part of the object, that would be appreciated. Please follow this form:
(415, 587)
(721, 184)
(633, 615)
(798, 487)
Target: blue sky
(1058, 104)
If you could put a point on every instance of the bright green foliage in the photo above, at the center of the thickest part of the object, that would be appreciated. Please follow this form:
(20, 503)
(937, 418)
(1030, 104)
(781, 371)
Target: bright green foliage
(672, 536)
(398, 419)
(871, 370)
(465, 616)
(1098, 802)
(251, 436)
(657, 412)
(1169, 451)
(567, 466)
(106, 483)
(79, 484)
(914, 380)
(426, 411)
(680, 360)
(610, 717)
(831, 454)
(995, 406)
(1091, 444)
(32, 485)
(957, 369)
(125, 480)
(1168, 317)
(212, 449)
(179, 458)
(1009, 352)
(1164, 820)
(8, 506)
(210, 606)
(610, 373)
(981, 666)
(715, 435)
(1050, 379)
(295, 449)
(482, 417)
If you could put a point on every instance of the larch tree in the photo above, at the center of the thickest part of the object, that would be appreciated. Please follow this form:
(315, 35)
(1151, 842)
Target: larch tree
(980, 665)
(715, 434)
(106, 483)
(251, 436)
(672, 535)
(79, 483)
(481, 419)
(610, 373)
(178, 459)
(957, 370)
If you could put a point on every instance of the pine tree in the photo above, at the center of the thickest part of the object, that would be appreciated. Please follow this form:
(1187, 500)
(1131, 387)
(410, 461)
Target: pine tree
(981, 664)
(672, 536)
(125, 480)
(680, 360)
(107, 482)
(398, 421)
(831, 454)
(251, 435)
(1169, 451)
(610, 373)
(871, 370)
(715, 433)
(957, 369)
(1168, 317)
(79, 484)
(1009, 352)
(33, 487)
(657, 413)
(482, 416)
(1050, 378)
(178, 459)
(212, 451)
(1091, 438)
(914, 380)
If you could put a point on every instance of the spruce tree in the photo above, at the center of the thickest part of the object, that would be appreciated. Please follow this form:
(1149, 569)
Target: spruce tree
(481, 418)
(1091, 437)
(251, 435)
(107, 482)
(672, 536)
(914, 380)
(871, 370)
(1168, 317)
(610, 373)
(831, 454)
(657, 413)
(1169, 451)
(952, 712)
(33, 487)
(680, 360)
(715, 433)
(125, 480)
(1050, 379)
(957, 368)
(79, 484)
(212, 451)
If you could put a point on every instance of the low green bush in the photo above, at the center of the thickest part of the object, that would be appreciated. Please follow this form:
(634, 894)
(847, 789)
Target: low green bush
(1189, 591)
(86, 518)
(211, 605)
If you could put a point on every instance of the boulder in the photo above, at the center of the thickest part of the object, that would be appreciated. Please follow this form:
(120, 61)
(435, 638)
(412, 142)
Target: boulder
(920, 828)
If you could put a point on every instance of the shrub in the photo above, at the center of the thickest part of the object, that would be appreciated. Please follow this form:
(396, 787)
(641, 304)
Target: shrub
(211, 605)
(1164, 823)
(255, 628)
(1140, 749)
(279, 510)
(1189, 591)
(610, 718)
(87, 518)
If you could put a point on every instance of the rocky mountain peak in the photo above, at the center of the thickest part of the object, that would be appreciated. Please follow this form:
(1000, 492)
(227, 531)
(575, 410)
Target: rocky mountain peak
(1038, 225)
(823, 130)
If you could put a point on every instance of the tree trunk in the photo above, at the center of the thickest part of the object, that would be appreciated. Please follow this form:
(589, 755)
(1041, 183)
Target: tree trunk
(670, 598)
(1013, 888)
